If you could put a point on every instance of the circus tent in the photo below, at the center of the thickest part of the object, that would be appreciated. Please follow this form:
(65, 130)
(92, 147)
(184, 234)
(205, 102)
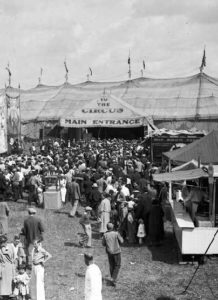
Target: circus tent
(175, 103)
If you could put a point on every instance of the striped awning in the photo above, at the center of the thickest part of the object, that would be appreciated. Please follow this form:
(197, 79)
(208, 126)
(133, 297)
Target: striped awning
(180, 175)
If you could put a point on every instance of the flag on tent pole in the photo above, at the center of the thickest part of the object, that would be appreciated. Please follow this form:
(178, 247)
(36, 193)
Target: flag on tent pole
(65, 65)
(9, 71)
(66, 69)
(129, 63)
(204, 59)
(9, 74)
(40, 77)
(143, 64)
(203, 62)
(90, 71)
(3, 125)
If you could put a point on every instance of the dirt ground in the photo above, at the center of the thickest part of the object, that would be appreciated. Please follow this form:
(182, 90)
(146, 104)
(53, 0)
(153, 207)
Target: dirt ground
(146, 273)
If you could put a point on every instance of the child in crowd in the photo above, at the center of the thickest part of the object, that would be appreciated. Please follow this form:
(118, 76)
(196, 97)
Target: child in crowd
(141, 231)
(19, 253)
(21, 284)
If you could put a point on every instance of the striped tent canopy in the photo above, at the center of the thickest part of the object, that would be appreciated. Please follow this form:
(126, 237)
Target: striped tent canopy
(162, 99)
(180, 175)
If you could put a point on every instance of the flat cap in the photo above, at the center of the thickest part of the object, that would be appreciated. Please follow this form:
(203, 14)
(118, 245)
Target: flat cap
(31, 210)
(88, 256)
(88, 208)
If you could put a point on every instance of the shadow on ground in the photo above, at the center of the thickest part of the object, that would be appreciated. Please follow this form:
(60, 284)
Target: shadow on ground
(72, 244)
(166, 252)
(165, 298)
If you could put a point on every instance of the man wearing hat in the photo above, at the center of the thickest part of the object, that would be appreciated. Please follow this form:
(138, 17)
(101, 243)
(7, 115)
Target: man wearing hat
(93, 279)
(33, 229)
(111, 240)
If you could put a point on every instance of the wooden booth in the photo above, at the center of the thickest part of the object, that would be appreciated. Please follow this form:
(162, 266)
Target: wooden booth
(195, 223)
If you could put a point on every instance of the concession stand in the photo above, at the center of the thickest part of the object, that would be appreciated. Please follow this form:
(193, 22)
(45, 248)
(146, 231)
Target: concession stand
(194, 232)
(193, 195)
(162, 140)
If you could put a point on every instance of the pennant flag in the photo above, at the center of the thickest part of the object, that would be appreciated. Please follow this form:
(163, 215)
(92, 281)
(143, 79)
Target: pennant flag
(90, 71)
(203, 63)
(204, 60)
(9, 71)
(66, 67)
(129, 60)
(143, 64)
(41, 70)
(3, 125)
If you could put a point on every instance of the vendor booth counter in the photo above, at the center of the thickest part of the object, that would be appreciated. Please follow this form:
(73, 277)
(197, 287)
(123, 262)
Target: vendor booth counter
(193, 238)
(194, 234)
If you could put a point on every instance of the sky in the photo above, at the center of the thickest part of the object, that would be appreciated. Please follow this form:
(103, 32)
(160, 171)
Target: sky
(169, 35)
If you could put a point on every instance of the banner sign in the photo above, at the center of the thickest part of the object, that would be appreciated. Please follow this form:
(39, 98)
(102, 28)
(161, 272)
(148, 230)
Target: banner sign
(216, 204)
(185, 139)
(13, 116)
(106, 111)
(3, 125)
(68, 122)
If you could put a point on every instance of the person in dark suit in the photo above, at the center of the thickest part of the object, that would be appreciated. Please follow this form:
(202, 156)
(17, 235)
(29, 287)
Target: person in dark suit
(33, 229)
(74, 196)
(143, 208)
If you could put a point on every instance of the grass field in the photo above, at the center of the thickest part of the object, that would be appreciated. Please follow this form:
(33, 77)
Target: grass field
(146, 273)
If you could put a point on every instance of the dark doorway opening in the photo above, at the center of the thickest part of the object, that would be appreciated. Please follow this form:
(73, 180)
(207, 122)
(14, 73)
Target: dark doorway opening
(125, 133)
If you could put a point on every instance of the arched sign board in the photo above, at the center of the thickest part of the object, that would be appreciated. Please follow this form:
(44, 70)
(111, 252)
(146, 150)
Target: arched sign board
(107, 111)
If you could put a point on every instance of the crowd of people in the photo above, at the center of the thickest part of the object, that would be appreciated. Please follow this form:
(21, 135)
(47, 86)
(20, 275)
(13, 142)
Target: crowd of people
(112, 179)
(22, 261)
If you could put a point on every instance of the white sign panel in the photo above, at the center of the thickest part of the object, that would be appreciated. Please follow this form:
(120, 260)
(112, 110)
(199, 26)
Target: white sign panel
(68, 122)
(106, 111)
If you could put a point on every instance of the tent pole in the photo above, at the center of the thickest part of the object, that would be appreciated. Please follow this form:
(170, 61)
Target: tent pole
(99, 131)
(170, 185)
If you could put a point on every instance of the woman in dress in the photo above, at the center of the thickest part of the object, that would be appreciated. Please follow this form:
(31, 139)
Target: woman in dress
(63, 190)
(105, 209)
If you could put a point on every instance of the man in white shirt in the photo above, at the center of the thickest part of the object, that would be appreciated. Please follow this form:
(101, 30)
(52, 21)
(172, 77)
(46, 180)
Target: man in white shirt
(124, 190)
(93, 279)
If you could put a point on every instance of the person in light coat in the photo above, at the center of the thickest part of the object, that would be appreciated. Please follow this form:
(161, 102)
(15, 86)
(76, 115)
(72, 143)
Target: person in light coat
(93, 279)
(105, 210)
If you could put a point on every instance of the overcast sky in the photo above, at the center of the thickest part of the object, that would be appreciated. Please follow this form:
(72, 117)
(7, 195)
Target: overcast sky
(169, 35)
